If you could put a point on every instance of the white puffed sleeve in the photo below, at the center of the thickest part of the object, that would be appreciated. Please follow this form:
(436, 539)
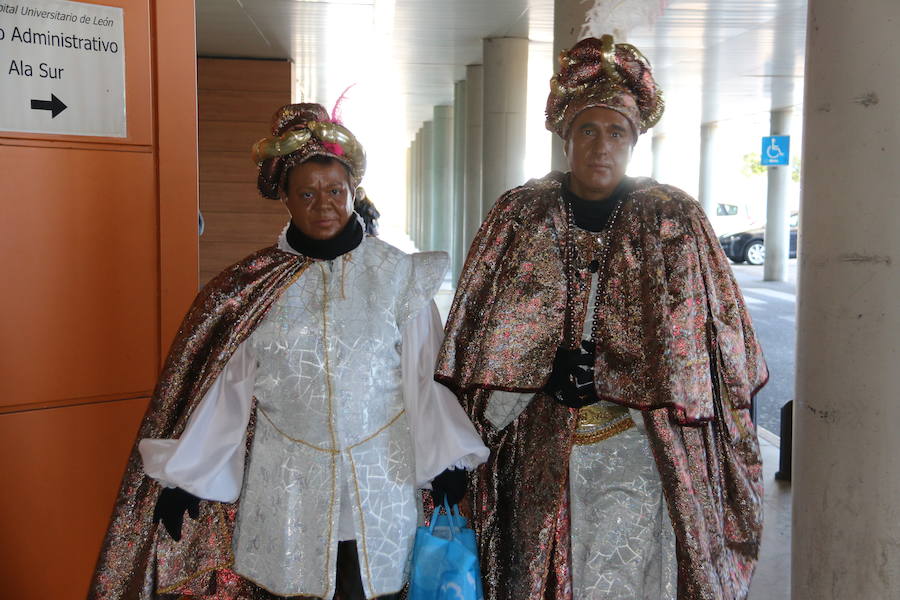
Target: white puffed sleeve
(208, 459)
(443, 435)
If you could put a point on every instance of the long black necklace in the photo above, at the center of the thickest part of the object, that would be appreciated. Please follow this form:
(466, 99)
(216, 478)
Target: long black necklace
(573, 338)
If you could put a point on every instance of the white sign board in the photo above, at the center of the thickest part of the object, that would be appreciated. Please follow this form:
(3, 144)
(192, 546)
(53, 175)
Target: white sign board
(62, 68)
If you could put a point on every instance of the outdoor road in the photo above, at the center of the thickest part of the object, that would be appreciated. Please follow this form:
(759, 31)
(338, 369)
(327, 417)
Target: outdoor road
(772, 307)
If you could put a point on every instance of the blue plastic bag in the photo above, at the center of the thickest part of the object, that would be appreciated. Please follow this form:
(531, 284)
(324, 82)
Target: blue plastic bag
(445, 560)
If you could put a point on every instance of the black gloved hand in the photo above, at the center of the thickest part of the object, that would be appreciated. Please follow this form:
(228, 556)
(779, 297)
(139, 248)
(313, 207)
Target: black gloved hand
(170, 509)
(572, 379)
(451, 484)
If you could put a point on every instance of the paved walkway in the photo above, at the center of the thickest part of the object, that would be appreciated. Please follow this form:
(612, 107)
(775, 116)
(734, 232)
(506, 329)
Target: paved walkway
(773, 574)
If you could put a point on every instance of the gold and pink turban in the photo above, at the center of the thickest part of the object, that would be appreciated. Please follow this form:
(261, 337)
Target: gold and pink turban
(597, 72)
(299, 132)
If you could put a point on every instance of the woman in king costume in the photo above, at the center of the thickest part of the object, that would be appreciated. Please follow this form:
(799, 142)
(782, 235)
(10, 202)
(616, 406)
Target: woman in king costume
(600, 344)
(296, 416)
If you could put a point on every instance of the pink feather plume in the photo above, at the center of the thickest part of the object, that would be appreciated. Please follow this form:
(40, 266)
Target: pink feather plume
(336, 111)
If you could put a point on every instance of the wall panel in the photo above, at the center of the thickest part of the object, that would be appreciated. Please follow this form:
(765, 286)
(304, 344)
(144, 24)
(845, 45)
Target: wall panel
(85, 248)
(237, 99)
(58, 494)
(240, 197)
(99, 240)
(220, 74)
(232, 136)
(238, 105)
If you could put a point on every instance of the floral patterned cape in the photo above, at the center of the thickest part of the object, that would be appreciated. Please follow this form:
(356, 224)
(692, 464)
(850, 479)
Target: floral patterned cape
(675, 341)
(138, 560)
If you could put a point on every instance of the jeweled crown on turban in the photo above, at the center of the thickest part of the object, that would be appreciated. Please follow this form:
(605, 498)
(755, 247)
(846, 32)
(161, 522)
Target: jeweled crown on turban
(598, 72)
(299, 132)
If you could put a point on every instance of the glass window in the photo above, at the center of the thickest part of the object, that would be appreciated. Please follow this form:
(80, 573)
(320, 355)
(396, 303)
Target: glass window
(726, 210)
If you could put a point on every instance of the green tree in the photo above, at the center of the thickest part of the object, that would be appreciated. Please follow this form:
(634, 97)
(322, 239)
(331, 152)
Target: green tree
(753, 167)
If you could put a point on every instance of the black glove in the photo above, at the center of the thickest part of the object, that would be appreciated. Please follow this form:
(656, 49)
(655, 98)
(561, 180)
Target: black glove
(572, 379)
(170, 509)
(449, 485)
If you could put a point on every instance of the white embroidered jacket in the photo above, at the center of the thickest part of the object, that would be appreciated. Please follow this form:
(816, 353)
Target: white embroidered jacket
(350, 423)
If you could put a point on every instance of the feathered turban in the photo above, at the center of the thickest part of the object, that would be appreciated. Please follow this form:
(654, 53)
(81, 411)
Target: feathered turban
(600, 73)
(299, 132)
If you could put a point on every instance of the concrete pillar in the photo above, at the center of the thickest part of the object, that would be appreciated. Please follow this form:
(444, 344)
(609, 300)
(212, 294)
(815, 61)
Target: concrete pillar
(505, 87)
(416, 198)
(846, 469)
(706, 197)
(658, 145)
(407, 218)
(777, 209)
(441, 224)
(414, 189)
(459, 179)
(427, 176)
(474, 142)
(420, 188)
(568, 19)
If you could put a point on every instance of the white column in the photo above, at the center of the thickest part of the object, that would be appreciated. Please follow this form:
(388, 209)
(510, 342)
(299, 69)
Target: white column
(706, 196)
(474, 142)
(846, 463)
(427, 177)
(777, 209)
(407, 219)
(505, 87)
(442, 180)
(414, 187)
(659, 145)
(416, 184)
(459, 179)
(568, 19)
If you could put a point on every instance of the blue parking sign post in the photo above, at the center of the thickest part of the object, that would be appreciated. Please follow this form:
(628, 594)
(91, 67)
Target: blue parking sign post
(776, 151)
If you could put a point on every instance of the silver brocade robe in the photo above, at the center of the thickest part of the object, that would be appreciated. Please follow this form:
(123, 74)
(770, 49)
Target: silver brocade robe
(623, 545)
(622, 542)
(331, 412)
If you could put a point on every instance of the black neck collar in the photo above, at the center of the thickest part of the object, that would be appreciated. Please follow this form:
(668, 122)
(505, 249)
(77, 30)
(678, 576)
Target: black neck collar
(593, 215)
(346, 240)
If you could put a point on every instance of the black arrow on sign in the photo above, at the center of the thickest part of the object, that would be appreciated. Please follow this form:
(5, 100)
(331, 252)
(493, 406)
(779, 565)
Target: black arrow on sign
(54, 105)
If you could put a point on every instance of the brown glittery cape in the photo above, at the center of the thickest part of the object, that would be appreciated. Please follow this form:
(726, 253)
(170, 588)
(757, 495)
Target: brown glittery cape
(674, 341)
(224, 313)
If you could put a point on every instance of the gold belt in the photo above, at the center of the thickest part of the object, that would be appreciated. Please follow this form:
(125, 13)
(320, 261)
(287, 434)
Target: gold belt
(601, 421)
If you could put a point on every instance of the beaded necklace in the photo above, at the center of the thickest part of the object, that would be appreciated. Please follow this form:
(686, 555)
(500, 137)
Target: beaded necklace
(573, 340)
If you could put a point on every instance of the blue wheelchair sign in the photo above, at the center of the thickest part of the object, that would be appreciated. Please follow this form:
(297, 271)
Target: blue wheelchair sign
(776, 150)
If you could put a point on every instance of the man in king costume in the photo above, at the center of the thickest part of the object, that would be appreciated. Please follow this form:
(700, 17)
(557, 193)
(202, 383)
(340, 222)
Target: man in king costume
(297, 415)
(600, 344)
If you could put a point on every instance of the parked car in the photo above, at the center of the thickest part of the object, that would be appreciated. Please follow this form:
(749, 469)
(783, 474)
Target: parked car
(750, 245)
(730, 218)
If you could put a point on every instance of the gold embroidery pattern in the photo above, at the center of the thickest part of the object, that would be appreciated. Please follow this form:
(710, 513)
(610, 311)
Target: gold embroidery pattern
(293, 439)
(601, 421)
(379, 432)
(329, 450)
(604, 433)
(599, 414)
(362, 522)
(327, 574)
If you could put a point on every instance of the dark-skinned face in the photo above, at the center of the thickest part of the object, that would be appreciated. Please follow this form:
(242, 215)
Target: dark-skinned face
(319, 198)
(598, 149)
